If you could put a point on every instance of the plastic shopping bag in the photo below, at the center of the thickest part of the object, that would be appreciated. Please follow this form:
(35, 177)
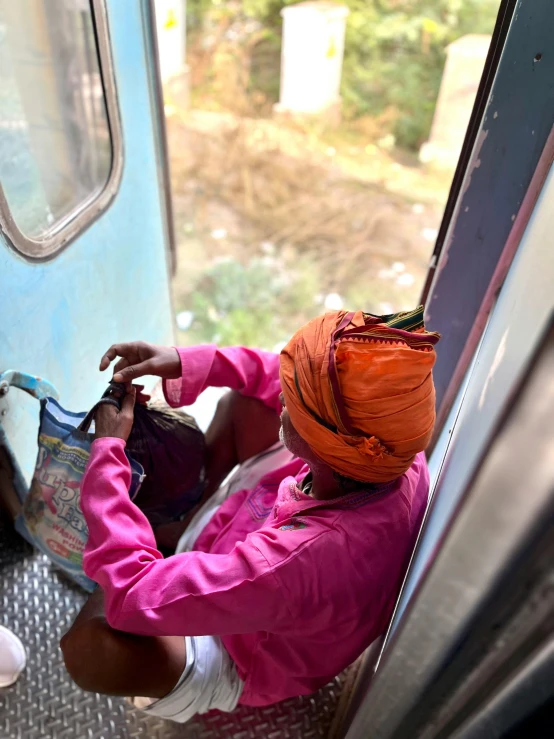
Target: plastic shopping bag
(51, 518)
(166, 452)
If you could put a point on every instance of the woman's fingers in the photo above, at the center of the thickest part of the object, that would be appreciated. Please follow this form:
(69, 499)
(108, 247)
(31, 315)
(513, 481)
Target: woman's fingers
(109, 356)
(121, 365)
(138, 358)
(142, 397)
(126, 374)
(109, 422)
(128, 402)
(130, 352)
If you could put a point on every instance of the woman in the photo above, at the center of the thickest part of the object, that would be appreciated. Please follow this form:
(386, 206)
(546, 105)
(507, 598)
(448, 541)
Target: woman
(294, 574)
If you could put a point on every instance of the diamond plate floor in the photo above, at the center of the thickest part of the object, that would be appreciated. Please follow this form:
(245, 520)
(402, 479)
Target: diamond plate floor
(39, 605)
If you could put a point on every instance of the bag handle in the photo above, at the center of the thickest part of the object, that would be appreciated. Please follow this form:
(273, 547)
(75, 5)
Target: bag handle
(113, 395)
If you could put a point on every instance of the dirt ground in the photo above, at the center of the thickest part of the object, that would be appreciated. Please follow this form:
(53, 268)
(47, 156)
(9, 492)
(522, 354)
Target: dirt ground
(357, 221)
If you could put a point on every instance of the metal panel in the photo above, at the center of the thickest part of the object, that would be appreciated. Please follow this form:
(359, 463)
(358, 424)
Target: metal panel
(39, 605)
(519, 698)
(58, 317)
(498, 40)
(157, 98)
(517, 121)
(486, 601)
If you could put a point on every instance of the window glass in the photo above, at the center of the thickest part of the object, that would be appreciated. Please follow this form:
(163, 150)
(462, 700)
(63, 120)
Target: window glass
(55, 148)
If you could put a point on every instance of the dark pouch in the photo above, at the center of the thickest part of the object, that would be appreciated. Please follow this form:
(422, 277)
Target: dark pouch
(171, 448)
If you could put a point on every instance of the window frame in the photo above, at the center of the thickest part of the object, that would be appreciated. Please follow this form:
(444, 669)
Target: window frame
(148, 12)
(501, 171)
(68, 228)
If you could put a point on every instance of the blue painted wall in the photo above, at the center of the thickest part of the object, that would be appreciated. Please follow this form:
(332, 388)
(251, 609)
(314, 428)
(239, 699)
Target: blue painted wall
(111, 284)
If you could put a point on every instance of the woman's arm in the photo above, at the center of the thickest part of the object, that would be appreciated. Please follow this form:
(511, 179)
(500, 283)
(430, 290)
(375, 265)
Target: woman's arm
(252, 372)
(187, 594)
(187, 372)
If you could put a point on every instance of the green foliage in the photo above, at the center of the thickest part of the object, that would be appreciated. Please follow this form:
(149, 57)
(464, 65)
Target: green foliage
(257, 304)
(394, 52)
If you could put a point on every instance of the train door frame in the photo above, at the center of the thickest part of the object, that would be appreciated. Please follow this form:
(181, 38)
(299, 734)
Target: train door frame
(505, 159)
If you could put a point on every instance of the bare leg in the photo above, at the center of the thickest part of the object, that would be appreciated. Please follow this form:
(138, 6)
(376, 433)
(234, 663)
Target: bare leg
(103, 660)
(241, 428)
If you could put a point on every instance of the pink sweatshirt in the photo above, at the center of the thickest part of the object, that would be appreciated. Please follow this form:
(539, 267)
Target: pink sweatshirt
(297, 588)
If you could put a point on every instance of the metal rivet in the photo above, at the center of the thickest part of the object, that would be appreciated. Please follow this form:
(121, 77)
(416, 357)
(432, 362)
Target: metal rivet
(4, 387)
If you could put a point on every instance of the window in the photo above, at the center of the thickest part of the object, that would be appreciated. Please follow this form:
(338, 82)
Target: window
(59, 137)
(314, 160)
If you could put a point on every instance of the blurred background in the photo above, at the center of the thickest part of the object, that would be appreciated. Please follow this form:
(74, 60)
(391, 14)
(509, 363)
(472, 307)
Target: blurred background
(312, 146)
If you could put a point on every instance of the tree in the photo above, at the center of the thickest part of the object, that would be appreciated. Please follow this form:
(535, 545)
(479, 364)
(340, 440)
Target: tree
(394, 52)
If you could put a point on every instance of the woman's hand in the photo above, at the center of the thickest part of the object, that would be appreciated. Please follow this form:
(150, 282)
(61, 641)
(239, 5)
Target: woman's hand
(139, 358)
(110, 422)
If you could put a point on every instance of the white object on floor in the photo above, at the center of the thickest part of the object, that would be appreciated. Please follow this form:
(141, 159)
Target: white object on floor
(12, 657)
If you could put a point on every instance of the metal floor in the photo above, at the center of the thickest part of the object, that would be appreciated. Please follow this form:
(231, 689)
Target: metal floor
(38, 604)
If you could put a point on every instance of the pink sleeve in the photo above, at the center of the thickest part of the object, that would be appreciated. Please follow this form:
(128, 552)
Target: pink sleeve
(189, 594)
(252, 372)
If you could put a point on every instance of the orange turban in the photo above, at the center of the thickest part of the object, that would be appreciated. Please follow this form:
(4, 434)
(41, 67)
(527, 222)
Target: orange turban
(359, 390)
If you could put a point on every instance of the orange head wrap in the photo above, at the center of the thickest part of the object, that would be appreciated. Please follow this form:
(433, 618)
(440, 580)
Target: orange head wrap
(359, 390)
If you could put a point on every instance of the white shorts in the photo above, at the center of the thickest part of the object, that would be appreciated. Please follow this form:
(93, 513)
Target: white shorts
(210, 679)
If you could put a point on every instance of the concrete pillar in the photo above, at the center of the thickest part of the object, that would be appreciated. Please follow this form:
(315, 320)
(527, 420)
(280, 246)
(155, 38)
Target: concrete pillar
(465, 59)
(171, 28)
(311, 58)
